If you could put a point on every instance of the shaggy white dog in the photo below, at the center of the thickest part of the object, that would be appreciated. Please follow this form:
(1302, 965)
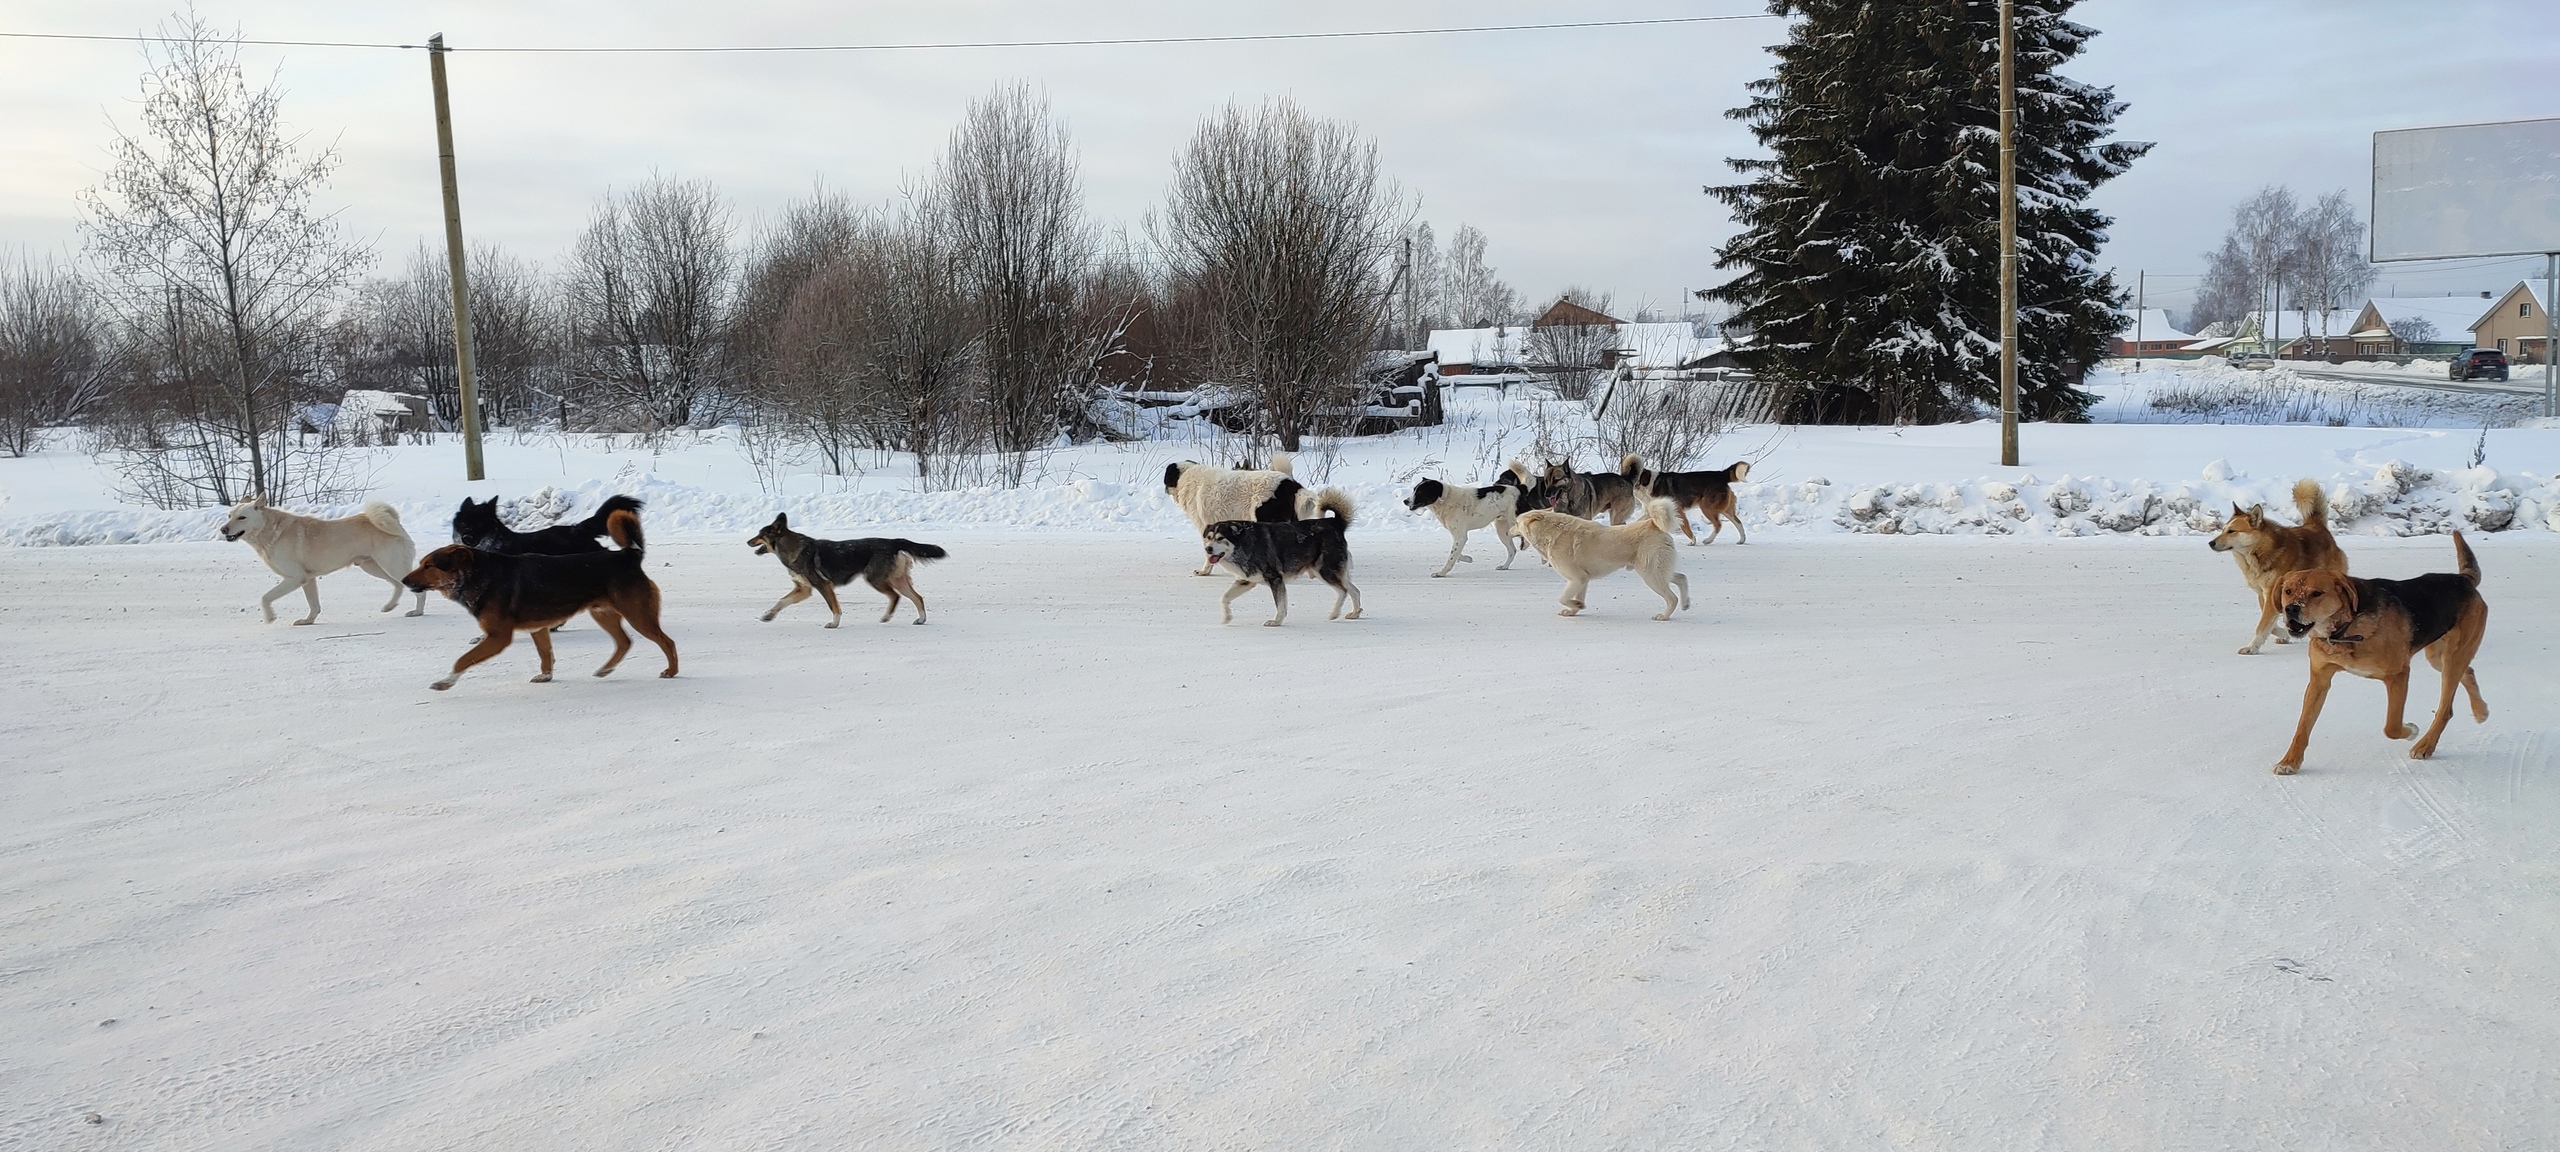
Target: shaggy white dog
(302, 549)
(1209, 494)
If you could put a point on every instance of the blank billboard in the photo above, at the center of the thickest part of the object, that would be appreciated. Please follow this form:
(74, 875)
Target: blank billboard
(2467, 190)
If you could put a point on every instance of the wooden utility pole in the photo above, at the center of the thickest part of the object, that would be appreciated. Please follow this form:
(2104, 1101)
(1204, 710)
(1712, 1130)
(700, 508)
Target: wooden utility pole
(462, 367)
(2138, 278)
(2008, 242)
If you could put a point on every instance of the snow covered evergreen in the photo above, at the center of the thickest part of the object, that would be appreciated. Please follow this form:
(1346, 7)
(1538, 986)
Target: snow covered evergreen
(1869, 253)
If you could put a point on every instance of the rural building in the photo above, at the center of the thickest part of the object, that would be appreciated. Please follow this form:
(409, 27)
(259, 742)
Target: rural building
(2515, 325)
(2150, 334)
(2414, 325)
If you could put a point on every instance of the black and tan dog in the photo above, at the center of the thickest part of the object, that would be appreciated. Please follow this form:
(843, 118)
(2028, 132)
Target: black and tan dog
(477, 526)
(826, 565)
(2375, 628)
(1260, 552)
(510, 594)
(1588, 494)
(2268, 551)
(1711, 493)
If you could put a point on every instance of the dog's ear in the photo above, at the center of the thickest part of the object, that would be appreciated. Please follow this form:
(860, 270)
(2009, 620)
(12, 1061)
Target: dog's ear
(2257, 512)
(2347, 592)
(258, 501)
(781, 520)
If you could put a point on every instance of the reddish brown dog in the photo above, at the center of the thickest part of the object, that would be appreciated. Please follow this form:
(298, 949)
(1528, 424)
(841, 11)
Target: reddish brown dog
(2375, 628)
(508, 594)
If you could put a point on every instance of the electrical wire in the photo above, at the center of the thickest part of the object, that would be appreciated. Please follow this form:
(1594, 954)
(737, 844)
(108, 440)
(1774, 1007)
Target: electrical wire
(1099, 42)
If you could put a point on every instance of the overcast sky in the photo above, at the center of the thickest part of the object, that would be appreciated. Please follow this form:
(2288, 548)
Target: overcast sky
(1580, 153)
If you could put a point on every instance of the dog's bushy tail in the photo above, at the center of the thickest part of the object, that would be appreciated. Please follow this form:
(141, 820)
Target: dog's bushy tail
(1314, 505)
(1281, 463)
(386, 518)
(600, 523)
(1629, 465)
(1664, 514)
(2465, 561)
(1740, 471)
(2313, 503)
(623, 525)
(920, 551)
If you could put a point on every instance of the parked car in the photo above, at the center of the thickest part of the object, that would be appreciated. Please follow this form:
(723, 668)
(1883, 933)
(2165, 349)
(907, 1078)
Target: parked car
(2478, 364)
(2255, 361)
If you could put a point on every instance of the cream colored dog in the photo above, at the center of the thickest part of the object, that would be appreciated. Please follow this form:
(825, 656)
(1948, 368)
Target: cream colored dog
(1584, 550)
(302, 549)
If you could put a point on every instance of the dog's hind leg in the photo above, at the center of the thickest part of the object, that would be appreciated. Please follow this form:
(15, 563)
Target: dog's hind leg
(611, 622)
(798, 593)
(2452, 659)
(646, 620)
(1226, 603)
(1685, 530)
(2471, 684)
(1510, 552)
(542, 644)
(492, 642)
(1682, 579)
(1661, 586)
(2313, 696)
(901, 583)
(1344, 589)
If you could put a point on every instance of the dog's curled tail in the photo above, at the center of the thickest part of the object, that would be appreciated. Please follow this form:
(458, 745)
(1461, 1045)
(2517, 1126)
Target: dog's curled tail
(1333, 500)
(1281, 463)
(1664, 514)
(2465, 561)
(1629, 465)
(1518, 472)
(623, 525)
(600, 523)
(1740, 471)
(2312, 503)
(922, 551)
(386, 518)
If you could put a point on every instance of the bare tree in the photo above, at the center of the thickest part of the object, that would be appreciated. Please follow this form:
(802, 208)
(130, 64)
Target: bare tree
(2328, 269)
(2413, 330)
(217, 260)
(1281, 221)
(515, 338)
(1015, 209)
(1575, 356)
(1470, 291)
(646, 294)
(56, 357)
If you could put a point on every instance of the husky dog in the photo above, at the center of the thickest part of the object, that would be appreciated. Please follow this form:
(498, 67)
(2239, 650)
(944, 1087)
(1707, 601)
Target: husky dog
(1588, 494)
(302, 549)
(1465, 509)
(478, 526)
(1271, 553)
(824, 565)
(1711, 493)
(511, 594)
(1209, 494)
(2268, 552)
(1583, 551)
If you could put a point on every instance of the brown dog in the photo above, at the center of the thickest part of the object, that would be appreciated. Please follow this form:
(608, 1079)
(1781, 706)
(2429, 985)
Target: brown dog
(507, 594)
(2268, 552)
(2374, 628)
(1711, 493)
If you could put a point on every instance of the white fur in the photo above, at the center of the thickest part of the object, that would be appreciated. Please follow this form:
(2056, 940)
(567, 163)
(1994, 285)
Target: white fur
(302, 549)
(1583, 550)
(1462, 511)
(1208, 493)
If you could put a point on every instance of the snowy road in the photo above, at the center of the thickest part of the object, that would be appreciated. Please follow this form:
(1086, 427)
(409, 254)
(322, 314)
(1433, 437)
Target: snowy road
(1889, 843)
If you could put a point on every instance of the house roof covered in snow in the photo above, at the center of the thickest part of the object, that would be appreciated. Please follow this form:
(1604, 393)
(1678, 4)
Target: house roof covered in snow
(2155, 325)
(2451, 315)
(1497, 347)
(2294, 323)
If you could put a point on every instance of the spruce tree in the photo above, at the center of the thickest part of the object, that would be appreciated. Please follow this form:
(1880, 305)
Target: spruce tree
(1869, 256)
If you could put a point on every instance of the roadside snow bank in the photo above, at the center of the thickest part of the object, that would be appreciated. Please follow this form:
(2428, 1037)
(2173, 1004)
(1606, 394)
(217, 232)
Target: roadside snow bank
(2394, 499)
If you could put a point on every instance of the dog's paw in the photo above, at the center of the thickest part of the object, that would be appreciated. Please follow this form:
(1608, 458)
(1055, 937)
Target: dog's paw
(443, 684)
(542, 678)
(421, 611)
(2281, 638)
(2288, 768)
(917, 620)
(2403, 732)
(1354, 615)
(1661, 615)
(1437, 575)
(767, 617)
(601, 673)
(1270, 623)
(669, 674)
(2423, 750)
(2249, 650)
(306, 623)
(834, 623)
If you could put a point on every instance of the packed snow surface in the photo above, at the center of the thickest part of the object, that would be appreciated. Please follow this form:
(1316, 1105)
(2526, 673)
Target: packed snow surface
(1918, 843)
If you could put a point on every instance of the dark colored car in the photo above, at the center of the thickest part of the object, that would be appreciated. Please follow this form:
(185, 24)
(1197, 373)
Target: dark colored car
(2478, 364)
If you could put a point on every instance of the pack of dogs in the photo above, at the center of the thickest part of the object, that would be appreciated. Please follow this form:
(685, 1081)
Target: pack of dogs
(1261, 526)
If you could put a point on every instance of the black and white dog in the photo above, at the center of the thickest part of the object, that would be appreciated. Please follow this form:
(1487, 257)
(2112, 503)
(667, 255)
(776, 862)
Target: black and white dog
(1269, 554)
(1465, 509)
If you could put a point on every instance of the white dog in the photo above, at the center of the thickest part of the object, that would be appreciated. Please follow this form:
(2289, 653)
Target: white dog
(1209, 494)
(1463, 509)
(302, 549)
(1583, 550)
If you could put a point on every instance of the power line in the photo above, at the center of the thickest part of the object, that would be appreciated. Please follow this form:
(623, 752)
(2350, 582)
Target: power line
(1099, 42)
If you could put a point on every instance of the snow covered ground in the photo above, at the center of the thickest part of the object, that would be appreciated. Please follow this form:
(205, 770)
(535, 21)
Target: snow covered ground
(1949, 843)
